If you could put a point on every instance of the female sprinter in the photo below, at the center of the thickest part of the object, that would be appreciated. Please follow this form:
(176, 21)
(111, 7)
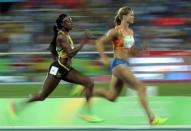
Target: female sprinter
(63, 51)
(122, 38)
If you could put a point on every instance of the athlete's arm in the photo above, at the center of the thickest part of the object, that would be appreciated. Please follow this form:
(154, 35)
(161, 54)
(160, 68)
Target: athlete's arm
(62, 40)
(66, 46)
(111, 35)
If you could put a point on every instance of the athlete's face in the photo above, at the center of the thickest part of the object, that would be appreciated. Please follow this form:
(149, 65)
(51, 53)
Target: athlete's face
(129, 18)
(67, 23)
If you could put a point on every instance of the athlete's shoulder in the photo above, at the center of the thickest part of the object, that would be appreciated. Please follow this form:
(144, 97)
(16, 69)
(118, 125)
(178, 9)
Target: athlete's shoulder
(113, 33)
(61, 34)
(61, 37)
(109, 32)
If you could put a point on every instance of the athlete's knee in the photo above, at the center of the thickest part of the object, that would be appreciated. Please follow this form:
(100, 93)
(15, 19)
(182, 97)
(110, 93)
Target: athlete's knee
(40, 97)
(89, 83)
(112, 96)
(89, 88)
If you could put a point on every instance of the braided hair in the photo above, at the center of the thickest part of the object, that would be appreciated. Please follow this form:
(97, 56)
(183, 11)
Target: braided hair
(56, 27)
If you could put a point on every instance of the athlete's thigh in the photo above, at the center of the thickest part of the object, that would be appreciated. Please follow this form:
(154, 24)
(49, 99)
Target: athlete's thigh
(125, 74)
(76, 77)
(116, 84)
(50, 83)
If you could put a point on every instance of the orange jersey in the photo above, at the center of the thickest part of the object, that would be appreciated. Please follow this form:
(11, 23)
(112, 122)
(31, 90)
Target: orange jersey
(125, 40)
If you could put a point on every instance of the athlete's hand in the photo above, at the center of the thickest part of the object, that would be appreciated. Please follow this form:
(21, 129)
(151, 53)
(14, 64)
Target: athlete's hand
(87, 34)
(87, 37)
(105, 60)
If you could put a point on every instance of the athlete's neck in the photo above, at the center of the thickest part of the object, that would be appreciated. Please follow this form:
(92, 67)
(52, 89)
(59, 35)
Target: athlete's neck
(124, 25)
(66, 31)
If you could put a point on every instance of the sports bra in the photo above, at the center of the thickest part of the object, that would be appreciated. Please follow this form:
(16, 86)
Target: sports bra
(60, 50)
(125, 41)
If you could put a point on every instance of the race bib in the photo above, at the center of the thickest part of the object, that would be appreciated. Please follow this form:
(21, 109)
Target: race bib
(53, 70)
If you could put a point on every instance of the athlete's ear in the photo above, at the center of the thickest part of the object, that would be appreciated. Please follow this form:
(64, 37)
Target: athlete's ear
(62, 23)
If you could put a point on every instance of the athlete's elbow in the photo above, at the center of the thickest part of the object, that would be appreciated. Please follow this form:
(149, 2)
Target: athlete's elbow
(70, 55)
(97, 43)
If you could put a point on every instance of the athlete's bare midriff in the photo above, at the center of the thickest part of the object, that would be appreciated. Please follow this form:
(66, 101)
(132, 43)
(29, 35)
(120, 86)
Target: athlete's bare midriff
(122, 54)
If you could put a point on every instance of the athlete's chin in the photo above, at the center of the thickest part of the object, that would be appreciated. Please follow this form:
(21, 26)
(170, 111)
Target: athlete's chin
(130, 22)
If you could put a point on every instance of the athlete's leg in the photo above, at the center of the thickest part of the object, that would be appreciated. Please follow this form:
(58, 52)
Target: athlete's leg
(77, 77)
(50, 84)
(125, 74)
(113, 93)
